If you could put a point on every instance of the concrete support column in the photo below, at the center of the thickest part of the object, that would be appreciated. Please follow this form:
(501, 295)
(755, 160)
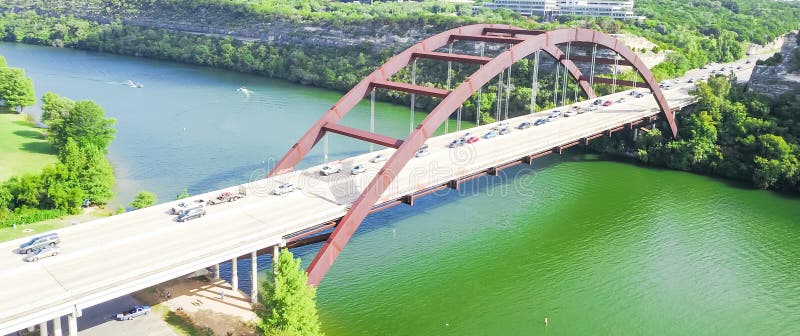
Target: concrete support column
(635, 134)
(276, 250)
(216, 271)
(254, 277)
(43, 328)
(57, 326)
(72, 321)
(234, 275)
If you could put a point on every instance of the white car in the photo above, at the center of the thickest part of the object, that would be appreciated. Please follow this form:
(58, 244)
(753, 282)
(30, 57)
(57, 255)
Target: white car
(554, 116)
(379, 158)
(284, 189)
(570, 113)
(44, 252)
(331, 168)
(358, 169)
(177, 208)
(423, 151)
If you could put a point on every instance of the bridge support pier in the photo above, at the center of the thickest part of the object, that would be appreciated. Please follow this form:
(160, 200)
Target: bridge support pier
(216, 271)
(254, 277)
(43, 328)
(72, 322)
(234, 275)
(276, 251)
(57, 326)
(635, 134)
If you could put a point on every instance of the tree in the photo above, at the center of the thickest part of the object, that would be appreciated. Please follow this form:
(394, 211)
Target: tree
(85, 122)
(184, 193)
(290, 307)
(143, 199)
(16, 88)
(55, 108)
(3, 63)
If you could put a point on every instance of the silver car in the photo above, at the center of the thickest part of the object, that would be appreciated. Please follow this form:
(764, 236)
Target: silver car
(48, 251)
(50, 239)
(284, 189)
(358, 169)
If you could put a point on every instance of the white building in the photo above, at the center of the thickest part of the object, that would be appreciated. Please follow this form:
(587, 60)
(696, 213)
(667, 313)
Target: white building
(620, 9)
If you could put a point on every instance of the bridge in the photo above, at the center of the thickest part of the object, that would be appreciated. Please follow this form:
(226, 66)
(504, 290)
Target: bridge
(121, 254)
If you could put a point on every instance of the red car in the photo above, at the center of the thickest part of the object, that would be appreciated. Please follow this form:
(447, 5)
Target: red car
(607, 103)
(473, 140)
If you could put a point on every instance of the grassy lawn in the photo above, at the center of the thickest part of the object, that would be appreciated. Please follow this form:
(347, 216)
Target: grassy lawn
(23, 148)
(181, 325)
(24, 230)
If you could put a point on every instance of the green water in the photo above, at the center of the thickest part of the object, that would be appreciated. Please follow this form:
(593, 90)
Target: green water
(597, 247)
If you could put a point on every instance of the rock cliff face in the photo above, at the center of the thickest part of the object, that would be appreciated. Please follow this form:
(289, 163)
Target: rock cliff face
(775, 80)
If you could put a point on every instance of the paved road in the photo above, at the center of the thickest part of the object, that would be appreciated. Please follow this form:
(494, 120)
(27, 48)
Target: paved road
(114, 256)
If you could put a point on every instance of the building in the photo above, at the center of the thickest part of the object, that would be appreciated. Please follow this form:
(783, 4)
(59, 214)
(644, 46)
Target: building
(619, 9)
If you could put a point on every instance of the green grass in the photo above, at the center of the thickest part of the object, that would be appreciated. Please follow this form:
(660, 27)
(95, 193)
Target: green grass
(23, 148)
(24, 230)
(181, 325)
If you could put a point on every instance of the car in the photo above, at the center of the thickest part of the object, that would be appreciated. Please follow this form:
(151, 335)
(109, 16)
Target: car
(185, 205)
(554, 116)
(570, 113)
(691, 80)
(358, 169)
(379, 158)
(621, 100)
(473, 140)
(580, 110)
(457, 142)
(466, 135)
(633, 93)
(284, 188)
(191, 214)
(607, 103)
(50, 239)
(134, 313)
(490, 134)
(540, 121)
(44, 252)
(422, 151)
(524, 125)
(331, 168)
(738, 67)
(504, 131)
(598, 102)
(639, 95)
(747, 62)
(228, 196)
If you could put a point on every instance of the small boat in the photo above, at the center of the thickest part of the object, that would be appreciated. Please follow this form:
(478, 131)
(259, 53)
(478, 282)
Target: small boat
(134, 84)
(243, 89)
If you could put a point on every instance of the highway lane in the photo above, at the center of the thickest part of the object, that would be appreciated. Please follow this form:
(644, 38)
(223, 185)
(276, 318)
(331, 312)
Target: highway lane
(113, 256)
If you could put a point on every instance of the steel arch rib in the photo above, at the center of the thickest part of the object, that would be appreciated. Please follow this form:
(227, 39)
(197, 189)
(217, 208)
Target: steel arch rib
(363, 204)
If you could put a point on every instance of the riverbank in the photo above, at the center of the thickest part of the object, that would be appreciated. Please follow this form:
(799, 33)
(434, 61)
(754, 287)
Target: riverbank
(23, 147)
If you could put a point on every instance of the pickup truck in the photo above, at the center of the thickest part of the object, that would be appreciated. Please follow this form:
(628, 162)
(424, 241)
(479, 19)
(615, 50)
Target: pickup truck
(134, 313)
(228, 196)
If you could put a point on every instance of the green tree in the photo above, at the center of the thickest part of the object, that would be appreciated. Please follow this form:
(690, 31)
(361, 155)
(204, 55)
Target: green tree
(16, 88)
(290, 306)
(3, 63)
(143, 199)
(184, 193)
(55, 108)
(85, 122)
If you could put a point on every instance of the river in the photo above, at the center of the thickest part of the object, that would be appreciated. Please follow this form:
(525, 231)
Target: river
(595, 246)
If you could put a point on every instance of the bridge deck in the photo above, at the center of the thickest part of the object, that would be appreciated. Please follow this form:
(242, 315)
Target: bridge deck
(114, 256)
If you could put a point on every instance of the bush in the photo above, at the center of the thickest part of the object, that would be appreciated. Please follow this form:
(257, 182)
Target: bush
(143, 200)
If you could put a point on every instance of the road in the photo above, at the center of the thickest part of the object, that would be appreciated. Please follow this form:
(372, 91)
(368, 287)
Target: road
(115, 256)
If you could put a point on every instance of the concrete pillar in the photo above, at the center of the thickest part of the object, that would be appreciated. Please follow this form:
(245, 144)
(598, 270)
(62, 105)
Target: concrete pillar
(234, 275)
(276, 250)
(635, 134)
(72, 321)
(254, 277)
(43, 328)
(57, 326)
(216, 271)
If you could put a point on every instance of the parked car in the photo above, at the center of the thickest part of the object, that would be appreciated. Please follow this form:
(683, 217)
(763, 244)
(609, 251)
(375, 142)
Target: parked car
(50, 239)
(379, 158)
(473, 140)
(284, 189)
(422, 151)
(524, 125)
(191, 214)
(185, 205)
(607, 103)
(331, 168)
(44, 252)
(134, 313)
(540, 121)
(504, 131)
(490, 134)
(358, 169)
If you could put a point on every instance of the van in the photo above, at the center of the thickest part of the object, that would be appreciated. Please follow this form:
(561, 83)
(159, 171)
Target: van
(36, 243)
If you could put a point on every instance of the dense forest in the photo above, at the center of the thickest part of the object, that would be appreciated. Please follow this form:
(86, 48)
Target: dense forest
(732, 133)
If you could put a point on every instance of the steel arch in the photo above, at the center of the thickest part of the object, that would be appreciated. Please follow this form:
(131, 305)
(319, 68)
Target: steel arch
(523, 47)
